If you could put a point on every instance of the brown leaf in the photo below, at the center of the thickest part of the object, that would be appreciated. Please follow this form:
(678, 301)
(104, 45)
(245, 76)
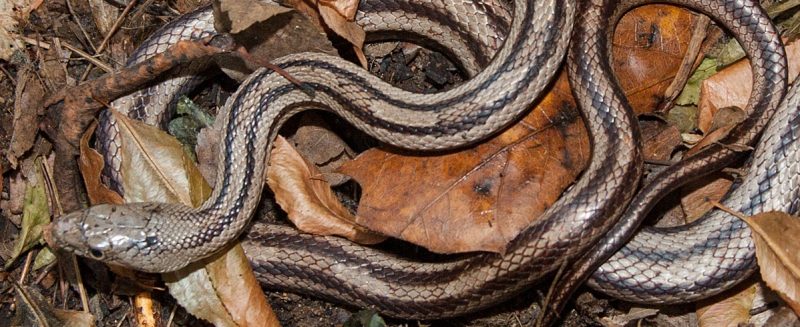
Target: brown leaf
(235, 16)
(659, 140)
(155, 168)
(479, 199)
(729, 309)
(91, 164)
(307, 198)
(30, 94)
(649, 46)
(321, 146)
(731, 86)
(775, 236)
(476, 199)
(696, 194)
(723, 122)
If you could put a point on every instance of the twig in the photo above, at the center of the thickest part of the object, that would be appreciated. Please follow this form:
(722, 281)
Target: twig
(26, 267)
(690, 61)
(111, 32)
(81, 288)
(80, 26)
(8, 74)
(89, 57)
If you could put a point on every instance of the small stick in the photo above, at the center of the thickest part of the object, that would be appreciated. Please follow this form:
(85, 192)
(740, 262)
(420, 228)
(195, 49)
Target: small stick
(111, 32)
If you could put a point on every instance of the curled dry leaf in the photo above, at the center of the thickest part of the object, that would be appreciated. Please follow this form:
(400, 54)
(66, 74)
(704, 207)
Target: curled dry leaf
(155, 168)
(91, 165)
(775, 236)
(729, 309)
(478, 199)
(307, 198)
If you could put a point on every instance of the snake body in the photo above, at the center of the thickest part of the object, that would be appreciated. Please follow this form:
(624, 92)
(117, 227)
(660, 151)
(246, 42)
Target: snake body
(164, 237)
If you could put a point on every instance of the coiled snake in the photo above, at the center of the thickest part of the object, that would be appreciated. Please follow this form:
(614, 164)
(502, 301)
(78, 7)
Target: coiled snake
(163, 237)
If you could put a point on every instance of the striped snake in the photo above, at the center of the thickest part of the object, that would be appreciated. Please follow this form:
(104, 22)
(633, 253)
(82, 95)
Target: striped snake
(159, 237)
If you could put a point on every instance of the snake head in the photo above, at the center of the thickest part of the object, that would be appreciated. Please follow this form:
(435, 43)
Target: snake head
(110, 233)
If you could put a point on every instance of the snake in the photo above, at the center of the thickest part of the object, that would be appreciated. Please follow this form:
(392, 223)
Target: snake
(158, 237)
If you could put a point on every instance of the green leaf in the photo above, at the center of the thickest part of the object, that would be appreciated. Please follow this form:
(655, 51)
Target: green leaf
(35, 215)
(691, 92)
(44, 258)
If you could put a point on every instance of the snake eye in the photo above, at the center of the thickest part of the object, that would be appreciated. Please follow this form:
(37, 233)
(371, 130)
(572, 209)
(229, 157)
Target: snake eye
(96, 254)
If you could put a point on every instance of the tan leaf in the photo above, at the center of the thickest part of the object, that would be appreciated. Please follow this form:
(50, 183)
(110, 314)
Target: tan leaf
(155, 168)
(729, 309)
(346, 28)
(777, 244)
(731, 86)
(152, 170)
(307, 198)
(345, 8)
(235, 16)
(91, 164)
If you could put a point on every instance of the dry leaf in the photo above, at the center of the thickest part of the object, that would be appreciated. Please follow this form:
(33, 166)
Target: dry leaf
(35, 216)
(13, 12)
(775, 237)
(731, 86)
(723, 122)
(235, 16)
(307, 198)
(91, 165)
(729, 309)
(648, 48)
(478, 199)
(345, 8)
(659, 140)
(30, 94)
(163, 173)
(151, 169)
(696, 194)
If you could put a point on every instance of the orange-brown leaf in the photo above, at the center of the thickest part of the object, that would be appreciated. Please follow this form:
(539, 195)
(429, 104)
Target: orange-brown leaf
(478, 198)
(777, 244)
(731, 86)
(307, 198)
(91, 165)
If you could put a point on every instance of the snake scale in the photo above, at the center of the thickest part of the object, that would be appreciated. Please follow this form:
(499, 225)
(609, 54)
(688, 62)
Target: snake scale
(159, 237)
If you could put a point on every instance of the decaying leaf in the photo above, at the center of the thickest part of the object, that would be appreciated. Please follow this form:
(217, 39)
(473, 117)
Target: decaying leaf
(307, 198)
(91, 165)
(33, 309)
(174, 178)
(478, 199)
(659, 140)
(35, 216)
(776, 241)
(725, 120)
(30, 94)
(696, 194)
(729, 309)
